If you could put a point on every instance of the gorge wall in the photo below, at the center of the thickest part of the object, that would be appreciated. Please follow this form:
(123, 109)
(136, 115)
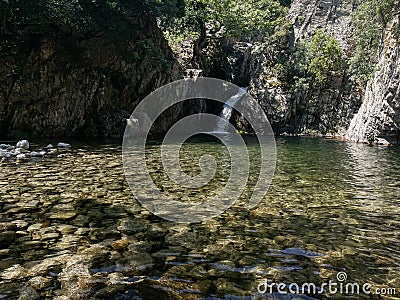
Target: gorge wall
(299, 106)
(379, 115)
(87, 83)
(340, 107)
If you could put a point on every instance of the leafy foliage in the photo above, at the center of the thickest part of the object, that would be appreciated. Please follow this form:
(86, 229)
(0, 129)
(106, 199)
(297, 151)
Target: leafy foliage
(210, 22)
(368, 24)
(23, 23)
(165, 10)
(326, 57)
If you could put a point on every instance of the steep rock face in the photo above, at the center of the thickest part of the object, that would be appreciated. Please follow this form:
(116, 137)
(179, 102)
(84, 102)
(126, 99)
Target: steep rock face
(331, 15)
(68, 85)
(304, 109)
(235, 63)
(379, 115)
(301, 108)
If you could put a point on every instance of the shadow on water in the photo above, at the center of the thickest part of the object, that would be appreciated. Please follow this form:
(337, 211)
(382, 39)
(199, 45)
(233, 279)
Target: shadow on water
(71, 228)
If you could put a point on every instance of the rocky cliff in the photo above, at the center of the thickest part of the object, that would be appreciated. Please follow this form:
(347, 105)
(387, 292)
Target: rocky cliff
(379, 115)
(87, 83)
(297, 106)
(332, 15)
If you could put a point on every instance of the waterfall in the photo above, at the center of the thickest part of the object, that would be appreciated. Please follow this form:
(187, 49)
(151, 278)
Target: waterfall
(222, 126)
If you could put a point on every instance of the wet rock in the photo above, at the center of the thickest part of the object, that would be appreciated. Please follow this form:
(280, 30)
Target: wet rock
(382, 142)
(24, 144)
(138, 262)
(39, 282)
(37, 154)
(4, 252)
(75, 280)
(50, 236)
(139, 246)
(129, 226)
(34, 254)
(120, 244)
(13, 272)
(28, 293)
(63, 215)
(6, 146)
(21, 156)
(199, 272)
(6, 238)
(7, 226)
(4, 154)
(63, 145)
(21, 232)
(66, 229)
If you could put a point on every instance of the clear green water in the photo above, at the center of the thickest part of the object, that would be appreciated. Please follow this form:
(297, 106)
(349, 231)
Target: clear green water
(70, 227)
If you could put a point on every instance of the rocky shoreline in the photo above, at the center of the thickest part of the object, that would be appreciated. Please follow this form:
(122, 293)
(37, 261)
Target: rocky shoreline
(23, 151)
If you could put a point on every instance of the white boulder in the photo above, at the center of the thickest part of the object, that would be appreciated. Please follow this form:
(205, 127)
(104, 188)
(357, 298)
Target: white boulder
(36, 154)
(21, 156)
(63, 145)
(6, 146)
(24, 144)
(4, 154)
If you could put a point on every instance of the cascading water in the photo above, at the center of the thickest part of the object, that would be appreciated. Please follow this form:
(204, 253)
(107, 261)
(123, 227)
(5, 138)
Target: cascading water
(222, 124)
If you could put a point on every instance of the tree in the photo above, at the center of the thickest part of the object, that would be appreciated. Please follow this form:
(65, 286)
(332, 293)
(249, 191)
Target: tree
(326, 57)
(211, 21)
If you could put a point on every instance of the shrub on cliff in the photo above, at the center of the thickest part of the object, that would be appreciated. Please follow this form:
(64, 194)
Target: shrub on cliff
(326, 57)
(368, 23)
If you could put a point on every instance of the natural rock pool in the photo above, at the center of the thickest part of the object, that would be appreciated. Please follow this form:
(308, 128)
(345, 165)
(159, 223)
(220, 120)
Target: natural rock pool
(71, 229)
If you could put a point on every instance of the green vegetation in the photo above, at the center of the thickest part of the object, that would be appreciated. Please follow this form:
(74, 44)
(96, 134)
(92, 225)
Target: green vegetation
(211, 22)
(326, 57)
(25, 23)
(368, 24)
(207, 24)
(311, 63)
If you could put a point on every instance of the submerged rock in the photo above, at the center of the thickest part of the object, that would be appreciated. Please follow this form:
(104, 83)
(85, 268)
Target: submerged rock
(39, 282)
(120, 244)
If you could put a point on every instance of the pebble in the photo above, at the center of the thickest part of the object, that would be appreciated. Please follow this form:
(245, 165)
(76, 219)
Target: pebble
(120, 244)
(39, 282)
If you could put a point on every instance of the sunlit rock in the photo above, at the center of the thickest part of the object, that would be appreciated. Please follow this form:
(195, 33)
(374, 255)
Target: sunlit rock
(63, 145)
(24, 144)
